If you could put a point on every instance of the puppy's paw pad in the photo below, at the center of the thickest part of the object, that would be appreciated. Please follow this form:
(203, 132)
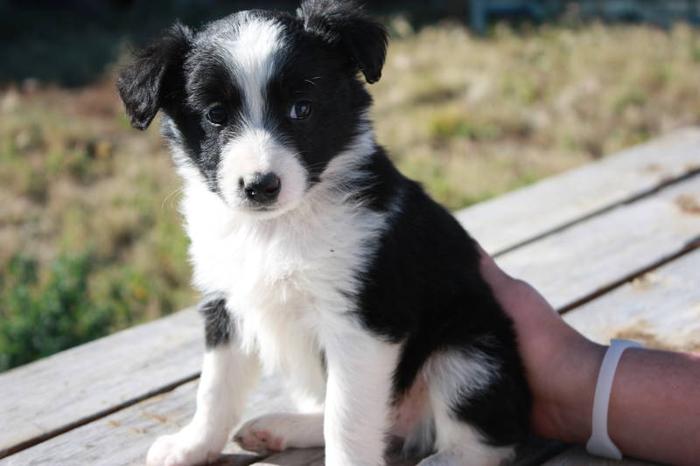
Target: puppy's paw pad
(258, 438)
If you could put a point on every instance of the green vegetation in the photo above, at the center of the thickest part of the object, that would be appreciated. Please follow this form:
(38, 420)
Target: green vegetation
(46, 317)
(89, 226)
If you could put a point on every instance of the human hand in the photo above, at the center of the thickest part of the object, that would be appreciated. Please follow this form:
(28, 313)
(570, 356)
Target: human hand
(561, 364)
(654, 404)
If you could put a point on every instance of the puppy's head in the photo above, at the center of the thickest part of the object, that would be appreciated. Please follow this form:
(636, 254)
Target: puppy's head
(257, 104)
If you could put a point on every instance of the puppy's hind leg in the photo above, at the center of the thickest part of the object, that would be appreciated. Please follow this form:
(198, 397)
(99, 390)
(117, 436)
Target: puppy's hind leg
(277, 432)
(466, 389)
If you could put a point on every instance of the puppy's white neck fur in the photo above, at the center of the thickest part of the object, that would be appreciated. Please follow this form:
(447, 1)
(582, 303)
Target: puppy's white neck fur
(327, 220)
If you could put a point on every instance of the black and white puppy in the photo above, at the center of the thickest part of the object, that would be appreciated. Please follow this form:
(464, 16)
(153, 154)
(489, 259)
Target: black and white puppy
(319, 259)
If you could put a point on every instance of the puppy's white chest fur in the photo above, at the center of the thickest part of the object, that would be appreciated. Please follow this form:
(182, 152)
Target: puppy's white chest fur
(286, 279)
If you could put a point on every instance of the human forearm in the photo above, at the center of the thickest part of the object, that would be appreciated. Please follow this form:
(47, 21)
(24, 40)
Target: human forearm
(655, 406)
(654, 410)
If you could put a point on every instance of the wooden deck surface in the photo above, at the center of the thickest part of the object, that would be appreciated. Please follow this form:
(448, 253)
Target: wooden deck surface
(615, 246)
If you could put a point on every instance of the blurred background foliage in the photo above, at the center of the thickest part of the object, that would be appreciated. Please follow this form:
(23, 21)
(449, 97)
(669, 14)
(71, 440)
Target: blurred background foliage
(90, 236)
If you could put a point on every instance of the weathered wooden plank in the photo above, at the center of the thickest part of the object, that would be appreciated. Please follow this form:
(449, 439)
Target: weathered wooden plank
(120, 438)
(578, 457)
(522, 215)
(661, 309)
(590, 257)
(123, 437)
(57, 392)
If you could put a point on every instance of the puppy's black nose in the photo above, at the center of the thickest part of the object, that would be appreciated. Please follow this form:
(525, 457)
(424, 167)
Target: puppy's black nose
(262, 188)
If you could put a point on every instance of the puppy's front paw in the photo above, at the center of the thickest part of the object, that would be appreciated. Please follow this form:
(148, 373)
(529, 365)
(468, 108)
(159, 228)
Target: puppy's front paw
(182, 449)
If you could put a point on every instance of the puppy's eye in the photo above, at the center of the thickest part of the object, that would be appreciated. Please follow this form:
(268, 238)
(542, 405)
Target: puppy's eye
(217, 115)
(300, 110)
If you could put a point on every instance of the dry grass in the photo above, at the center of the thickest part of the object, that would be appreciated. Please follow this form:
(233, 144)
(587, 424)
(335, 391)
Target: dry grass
(473, 118)
(470, 118)
(77, 184)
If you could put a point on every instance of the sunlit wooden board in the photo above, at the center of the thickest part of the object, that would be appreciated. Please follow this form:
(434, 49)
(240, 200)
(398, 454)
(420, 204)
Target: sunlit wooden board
(76, 385)
(661, 309)
(525, 214)
(589, 257)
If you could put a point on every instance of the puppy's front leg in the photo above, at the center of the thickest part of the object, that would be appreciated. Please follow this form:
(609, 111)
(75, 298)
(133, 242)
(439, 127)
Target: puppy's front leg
(228, 374)
(358, 394)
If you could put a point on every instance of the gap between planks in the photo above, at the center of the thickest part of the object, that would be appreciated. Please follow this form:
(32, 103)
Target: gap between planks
(109, 365)
(94, 417)
(631, 199)
(588, 259)
(688, 248)
(504, 222)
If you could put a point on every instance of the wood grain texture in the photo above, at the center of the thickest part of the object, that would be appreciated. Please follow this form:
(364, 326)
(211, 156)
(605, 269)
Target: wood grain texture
(589, 257)
(528, 213)
(98, 377)
(120, 438)
(123, 438)
(578, 457)
(661, 309)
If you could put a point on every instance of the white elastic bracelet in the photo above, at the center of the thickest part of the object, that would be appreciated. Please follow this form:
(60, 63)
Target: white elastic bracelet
(600, 444)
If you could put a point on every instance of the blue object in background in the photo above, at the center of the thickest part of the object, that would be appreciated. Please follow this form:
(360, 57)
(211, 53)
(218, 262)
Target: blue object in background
(480, 11)
(660, 12)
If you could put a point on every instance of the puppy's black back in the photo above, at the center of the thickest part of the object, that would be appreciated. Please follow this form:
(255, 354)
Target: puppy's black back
(424, 288)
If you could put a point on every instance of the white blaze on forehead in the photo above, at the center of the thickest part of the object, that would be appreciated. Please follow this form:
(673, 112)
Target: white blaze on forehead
(253, 52)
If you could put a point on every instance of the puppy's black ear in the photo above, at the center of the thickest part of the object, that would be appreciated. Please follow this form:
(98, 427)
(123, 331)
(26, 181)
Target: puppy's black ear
(153, 77)
(345, 23)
